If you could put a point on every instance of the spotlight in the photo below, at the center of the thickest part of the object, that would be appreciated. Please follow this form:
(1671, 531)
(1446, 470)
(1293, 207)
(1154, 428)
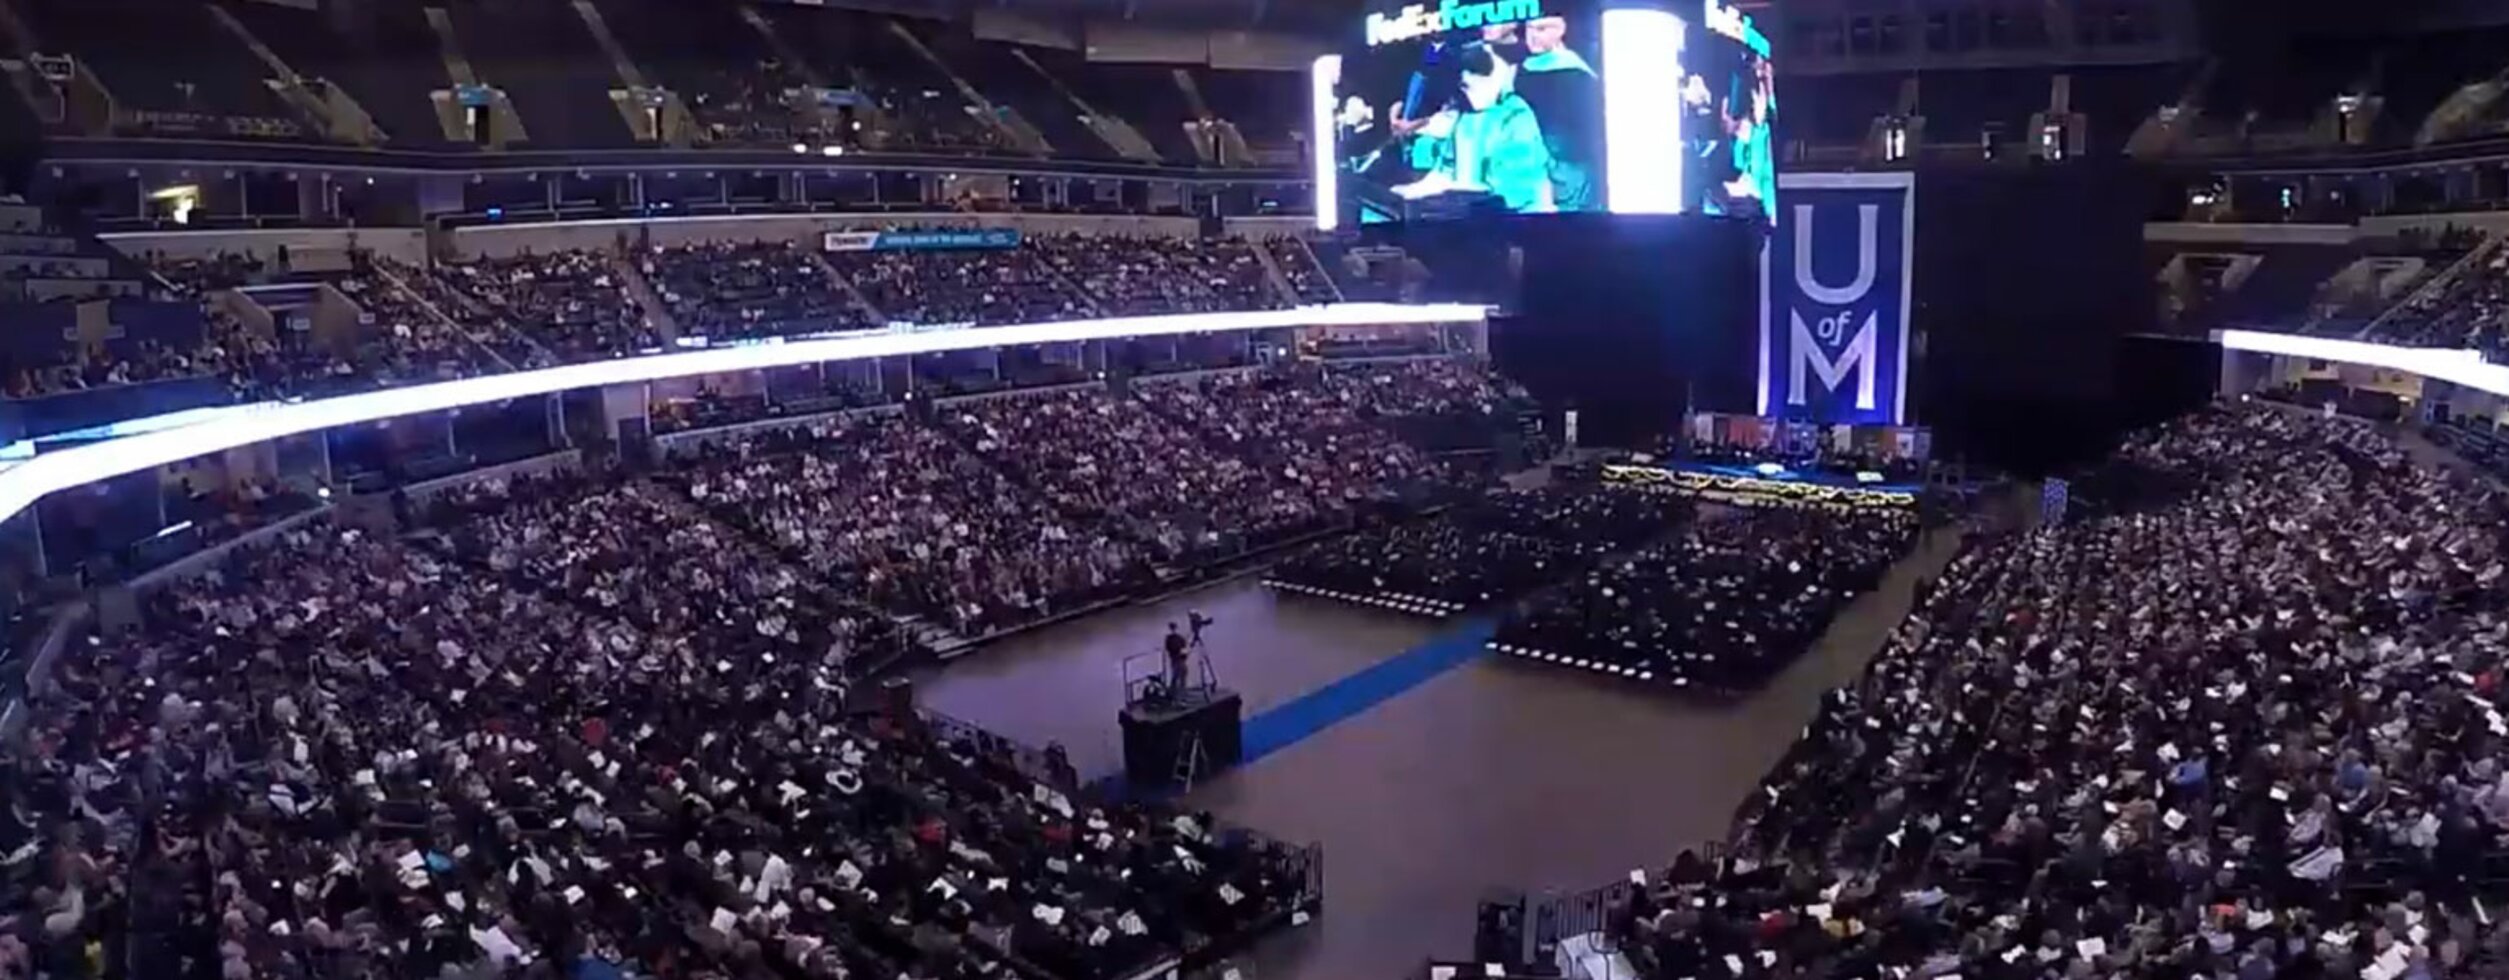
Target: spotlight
(832, 150)
(801, 147)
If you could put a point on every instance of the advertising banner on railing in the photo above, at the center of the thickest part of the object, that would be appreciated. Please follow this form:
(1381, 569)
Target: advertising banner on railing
(1836, 283)
(924, 241)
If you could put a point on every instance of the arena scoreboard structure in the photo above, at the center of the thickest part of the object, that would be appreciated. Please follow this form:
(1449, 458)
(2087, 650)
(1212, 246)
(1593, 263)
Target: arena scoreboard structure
(1463, 109)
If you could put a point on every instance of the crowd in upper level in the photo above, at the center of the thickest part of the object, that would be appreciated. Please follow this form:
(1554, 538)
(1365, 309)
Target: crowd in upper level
(1305, 272)
(460, 318)
(736, 290)
(1127, 276)
(867, 81)
(2464, 313)
(980, 287)
(574, 304)
(814, 76)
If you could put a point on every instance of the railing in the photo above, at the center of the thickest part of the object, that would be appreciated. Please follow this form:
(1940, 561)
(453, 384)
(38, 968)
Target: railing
(2436, 286)
(1032, 762)
(1554, 919)
(1557, 919)
(119, 152)
(1303, 863)
(27, 677)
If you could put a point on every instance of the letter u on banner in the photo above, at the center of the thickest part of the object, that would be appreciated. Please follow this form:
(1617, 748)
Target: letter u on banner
(1868, 228)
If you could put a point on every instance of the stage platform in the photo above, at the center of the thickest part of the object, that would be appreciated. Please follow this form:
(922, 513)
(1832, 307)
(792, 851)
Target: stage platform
(1778, 473)
(1767, 483)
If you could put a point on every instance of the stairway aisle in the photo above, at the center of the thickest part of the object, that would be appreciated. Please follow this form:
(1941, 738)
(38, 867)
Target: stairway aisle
(657, 310)
(1272, 273)
(843, 283)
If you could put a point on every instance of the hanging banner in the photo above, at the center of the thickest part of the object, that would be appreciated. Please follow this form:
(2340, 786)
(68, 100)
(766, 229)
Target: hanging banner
(1836, 284)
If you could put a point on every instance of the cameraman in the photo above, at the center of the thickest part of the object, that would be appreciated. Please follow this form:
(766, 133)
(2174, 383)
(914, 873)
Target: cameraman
(1177, 660)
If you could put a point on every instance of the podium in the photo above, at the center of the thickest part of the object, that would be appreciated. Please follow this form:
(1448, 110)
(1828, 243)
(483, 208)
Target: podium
(1174, 744)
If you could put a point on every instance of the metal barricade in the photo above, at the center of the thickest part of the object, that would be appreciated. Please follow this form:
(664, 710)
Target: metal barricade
(1557, 918)
(1035, 763)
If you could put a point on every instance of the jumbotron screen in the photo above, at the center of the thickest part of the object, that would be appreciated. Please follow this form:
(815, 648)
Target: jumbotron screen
(1485, 108)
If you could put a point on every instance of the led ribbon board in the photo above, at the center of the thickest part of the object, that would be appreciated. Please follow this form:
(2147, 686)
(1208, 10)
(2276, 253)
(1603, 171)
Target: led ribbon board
(27, 482)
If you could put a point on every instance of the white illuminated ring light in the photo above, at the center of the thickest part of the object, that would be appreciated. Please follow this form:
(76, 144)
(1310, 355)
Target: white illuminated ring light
(49, 473)
(2461, 367)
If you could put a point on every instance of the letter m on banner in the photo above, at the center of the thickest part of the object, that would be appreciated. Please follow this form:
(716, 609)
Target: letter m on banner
(1836, 283)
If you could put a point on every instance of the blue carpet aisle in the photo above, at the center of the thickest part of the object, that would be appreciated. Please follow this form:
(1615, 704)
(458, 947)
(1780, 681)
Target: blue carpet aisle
(1350, 696)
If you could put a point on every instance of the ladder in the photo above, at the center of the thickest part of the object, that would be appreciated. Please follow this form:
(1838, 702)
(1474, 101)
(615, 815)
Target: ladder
(1189, 763)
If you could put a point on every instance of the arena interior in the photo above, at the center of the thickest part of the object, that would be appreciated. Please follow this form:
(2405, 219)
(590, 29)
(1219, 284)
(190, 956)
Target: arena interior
(1234, 489)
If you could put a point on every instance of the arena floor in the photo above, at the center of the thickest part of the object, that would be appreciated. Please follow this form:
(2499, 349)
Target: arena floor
(1433, 774)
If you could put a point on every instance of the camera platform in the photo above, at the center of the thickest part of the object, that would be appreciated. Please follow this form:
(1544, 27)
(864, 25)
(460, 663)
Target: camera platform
(1176, 744)
(1178, 730)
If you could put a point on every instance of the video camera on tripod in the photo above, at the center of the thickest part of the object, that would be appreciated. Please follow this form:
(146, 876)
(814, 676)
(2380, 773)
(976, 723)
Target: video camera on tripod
(1179, 724)
(1179, 674)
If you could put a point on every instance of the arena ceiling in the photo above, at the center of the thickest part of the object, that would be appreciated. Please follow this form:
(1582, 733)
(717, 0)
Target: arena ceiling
(1301, 15)
(1306, 16)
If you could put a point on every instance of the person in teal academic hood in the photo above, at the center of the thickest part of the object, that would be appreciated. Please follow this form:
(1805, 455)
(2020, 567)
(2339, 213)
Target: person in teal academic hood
(1567, 100)
(1493, 144)
(1754, 157)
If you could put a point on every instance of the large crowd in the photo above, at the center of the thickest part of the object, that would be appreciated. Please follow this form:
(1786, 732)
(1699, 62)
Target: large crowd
(1004, 510)
(1113, 461)
(1136, 276)
(399, 345)
(1723, 606)
(2235, 720)
(575, 727)
(1324, 431)
(733, 290)
(2465, 312)
(981, 287)
(1306, 275)
(605, 723)
(899, 514)
(573, 303)
(407, 338)
(71, 369)
(1485, 551)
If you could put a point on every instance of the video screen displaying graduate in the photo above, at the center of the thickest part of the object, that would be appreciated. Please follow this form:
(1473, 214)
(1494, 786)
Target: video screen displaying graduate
(1499, 119)
(1485, 108)
(1729, 102)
